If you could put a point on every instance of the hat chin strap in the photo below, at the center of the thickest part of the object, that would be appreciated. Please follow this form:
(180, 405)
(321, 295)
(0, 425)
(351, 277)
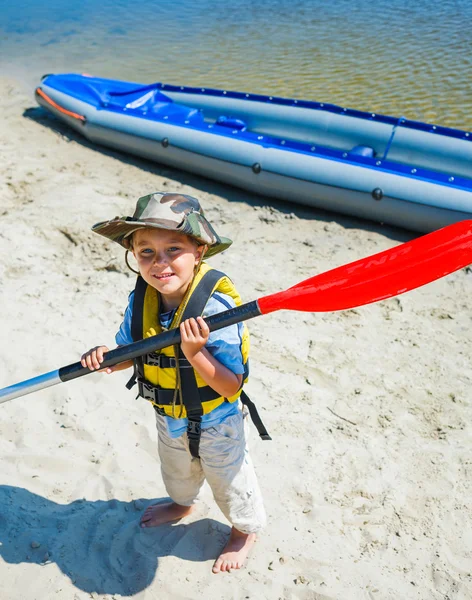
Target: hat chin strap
(197, 266)
(128, 265)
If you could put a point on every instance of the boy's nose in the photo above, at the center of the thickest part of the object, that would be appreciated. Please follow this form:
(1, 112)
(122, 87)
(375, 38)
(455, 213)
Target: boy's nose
(160, 258)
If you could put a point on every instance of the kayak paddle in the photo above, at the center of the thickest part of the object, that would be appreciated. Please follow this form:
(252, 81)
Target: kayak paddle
(377, 277)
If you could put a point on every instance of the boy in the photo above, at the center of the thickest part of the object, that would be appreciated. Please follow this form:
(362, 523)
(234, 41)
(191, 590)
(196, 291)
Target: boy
(195, 387)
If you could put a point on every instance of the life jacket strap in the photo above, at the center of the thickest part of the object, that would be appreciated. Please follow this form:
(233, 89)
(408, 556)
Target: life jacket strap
(137, 365)
(194, 432)
(138, 309)
(165, 396)
(192, 395)
(154, 359)
(255, 418)
(137, 328)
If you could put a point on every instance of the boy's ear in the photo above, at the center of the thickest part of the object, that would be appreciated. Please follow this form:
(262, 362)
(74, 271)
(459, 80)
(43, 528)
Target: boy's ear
(200, 250)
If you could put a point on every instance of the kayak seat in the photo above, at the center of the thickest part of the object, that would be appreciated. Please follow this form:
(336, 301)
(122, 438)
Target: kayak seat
(176, 112)
(231, 123)
(153, 102)
(365, 151)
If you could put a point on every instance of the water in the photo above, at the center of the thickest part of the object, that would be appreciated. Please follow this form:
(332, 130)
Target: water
(391, 56)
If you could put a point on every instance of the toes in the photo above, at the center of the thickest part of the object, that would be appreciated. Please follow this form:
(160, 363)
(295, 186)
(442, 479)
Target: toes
(227, 566)
(148, 514)
(217, 566)
(146, 518)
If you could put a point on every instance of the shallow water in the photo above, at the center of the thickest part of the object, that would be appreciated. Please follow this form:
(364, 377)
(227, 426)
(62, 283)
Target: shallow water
(391, 56)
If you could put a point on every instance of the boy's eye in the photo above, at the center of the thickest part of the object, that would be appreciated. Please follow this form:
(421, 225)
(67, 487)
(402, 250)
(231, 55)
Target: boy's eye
(146, 251)
(174, 249)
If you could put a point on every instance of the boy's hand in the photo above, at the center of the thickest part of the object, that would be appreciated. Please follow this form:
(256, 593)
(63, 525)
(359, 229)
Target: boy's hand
(94, 357)
(194, 333)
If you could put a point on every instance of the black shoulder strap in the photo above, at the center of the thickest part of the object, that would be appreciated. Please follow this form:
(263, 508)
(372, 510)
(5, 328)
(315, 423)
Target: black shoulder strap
(138, 309)
(190, 391)
(201, 294)
(137, 327)
(207, 284)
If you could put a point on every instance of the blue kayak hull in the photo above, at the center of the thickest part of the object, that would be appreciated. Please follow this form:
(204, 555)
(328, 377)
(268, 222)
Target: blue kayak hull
(376, 167)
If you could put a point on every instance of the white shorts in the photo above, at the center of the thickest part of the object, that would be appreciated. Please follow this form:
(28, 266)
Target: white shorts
(224, 462)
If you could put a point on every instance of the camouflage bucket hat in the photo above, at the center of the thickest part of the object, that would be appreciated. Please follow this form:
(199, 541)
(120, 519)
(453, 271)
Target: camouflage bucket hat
(176, 212)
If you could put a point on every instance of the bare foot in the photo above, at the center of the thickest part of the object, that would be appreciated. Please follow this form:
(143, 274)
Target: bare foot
(164, 513)
(235, 552)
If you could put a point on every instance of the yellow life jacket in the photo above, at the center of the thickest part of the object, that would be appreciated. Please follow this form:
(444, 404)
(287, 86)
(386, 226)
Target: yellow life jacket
(158, 378)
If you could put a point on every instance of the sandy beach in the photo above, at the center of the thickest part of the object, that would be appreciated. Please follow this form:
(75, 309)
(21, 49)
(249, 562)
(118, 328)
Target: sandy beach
(367, 481)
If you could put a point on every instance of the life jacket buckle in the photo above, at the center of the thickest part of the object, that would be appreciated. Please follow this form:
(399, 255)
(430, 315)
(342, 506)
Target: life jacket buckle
(153, 359)
(194, 429)
(146, 390)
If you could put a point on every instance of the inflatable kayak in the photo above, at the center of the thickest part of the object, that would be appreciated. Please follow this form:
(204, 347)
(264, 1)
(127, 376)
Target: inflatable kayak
(387, 169)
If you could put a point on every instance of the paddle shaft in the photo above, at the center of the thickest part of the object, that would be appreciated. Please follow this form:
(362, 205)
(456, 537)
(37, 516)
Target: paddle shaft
(128, 352)
(377, 277)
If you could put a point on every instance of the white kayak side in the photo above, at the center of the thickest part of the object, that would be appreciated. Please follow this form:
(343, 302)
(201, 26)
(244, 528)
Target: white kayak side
(330, 183)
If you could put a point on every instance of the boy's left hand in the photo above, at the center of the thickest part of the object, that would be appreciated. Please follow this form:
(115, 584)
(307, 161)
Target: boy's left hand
(194, 333)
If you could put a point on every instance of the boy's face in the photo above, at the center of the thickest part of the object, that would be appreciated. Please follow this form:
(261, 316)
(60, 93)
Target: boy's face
(166, 261)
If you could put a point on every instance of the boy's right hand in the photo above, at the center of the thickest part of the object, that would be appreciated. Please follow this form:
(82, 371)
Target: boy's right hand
(94, 357)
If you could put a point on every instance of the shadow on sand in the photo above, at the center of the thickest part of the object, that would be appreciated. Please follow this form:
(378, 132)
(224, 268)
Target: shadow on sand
(98, 544)
(43, 117)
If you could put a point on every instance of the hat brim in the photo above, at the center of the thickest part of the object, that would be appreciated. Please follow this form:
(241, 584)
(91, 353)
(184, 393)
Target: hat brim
(120, 231)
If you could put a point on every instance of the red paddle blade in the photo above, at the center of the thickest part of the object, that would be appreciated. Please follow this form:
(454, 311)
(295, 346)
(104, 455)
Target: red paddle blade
(380, 276)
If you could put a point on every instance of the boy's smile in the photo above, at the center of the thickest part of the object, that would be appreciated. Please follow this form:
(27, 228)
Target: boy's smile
(166, 261)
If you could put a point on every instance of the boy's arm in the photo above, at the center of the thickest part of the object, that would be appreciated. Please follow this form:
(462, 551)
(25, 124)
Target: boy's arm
(195, 333)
